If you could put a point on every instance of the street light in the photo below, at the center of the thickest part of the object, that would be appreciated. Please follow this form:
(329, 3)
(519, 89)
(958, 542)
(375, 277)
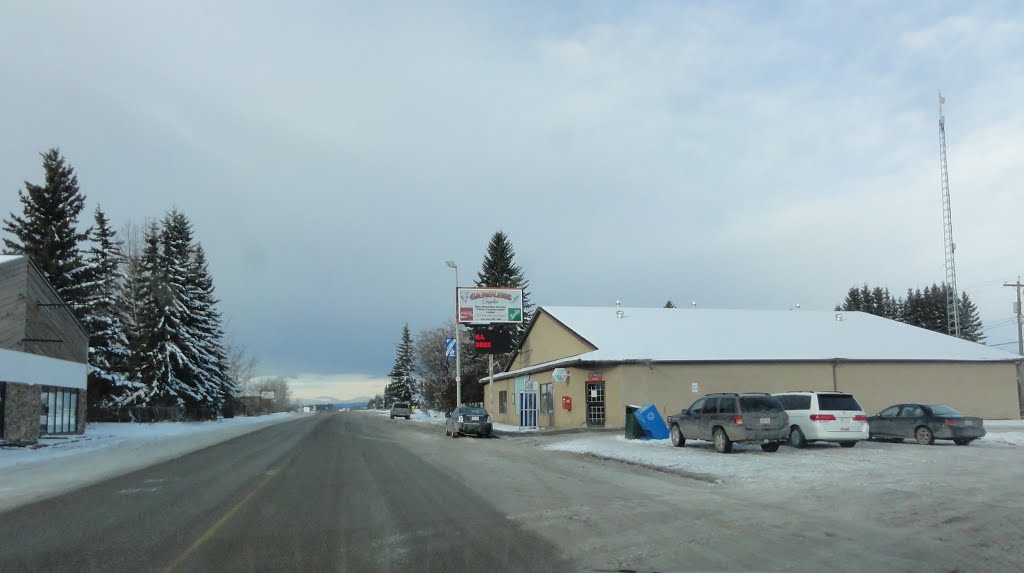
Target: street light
(458, 343)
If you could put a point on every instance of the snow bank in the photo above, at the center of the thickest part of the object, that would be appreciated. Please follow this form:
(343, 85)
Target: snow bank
(107, 450)
(1001, 439)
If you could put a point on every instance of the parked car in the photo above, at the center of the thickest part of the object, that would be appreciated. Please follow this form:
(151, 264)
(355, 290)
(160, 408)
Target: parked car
(725, 419)
(468, 420)
(401, 410)
(925, 423)
(824, 417)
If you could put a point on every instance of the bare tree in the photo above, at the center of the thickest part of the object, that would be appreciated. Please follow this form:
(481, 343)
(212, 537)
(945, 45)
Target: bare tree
(437, 373)
(241, 368)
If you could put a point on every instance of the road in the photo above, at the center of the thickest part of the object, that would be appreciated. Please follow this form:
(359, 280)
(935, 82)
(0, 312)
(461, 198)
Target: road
(324, 493)
(355, 491)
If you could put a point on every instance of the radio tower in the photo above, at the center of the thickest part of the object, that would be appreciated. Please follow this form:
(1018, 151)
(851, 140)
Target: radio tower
(952, 300)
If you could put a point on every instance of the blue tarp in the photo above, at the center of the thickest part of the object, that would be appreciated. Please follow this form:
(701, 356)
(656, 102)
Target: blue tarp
(652, 423)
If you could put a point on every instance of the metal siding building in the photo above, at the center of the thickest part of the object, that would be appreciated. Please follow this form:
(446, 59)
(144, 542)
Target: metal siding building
(671, 357)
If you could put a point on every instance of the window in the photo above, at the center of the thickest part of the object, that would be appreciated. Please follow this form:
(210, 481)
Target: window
(759, 404)
(726, 405)
(59, 410)
(889, 412)
(547, 402)
(711, 406)
(473, 411)
(695, 408)
(795, 402)
(503, 402)
(911, 411)
(837, 402)
(941, 410)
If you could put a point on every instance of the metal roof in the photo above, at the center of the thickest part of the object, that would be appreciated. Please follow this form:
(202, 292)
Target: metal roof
(725, 335)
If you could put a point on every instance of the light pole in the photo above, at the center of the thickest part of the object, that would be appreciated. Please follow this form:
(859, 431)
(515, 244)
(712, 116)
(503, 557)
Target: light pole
(458, 353)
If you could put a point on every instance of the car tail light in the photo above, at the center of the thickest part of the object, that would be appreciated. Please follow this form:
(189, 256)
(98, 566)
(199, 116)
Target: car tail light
(460, 419)
(823, 418)
(860, 418)
(950, 422)
(738, 420)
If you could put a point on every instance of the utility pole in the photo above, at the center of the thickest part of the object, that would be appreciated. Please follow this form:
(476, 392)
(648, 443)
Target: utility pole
(458, 343)
(1016, 309)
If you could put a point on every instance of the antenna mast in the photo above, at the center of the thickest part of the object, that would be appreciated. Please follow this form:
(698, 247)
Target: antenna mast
(952, 299)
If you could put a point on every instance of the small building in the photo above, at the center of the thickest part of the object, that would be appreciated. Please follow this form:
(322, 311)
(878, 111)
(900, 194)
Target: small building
(44, 354)
(580, 366)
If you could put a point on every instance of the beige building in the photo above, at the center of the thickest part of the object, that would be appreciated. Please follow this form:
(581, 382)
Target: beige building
(580, 366)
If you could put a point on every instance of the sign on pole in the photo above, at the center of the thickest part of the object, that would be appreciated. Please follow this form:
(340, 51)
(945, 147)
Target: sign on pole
(267, 394)
(449, 348)
(481, 305)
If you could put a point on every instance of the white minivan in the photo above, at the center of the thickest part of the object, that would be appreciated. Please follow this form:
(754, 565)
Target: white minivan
(824, 417)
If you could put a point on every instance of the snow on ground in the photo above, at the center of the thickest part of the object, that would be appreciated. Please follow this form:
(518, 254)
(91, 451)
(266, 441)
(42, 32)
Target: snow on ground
(109, 449)
(818, 465)
(1005, 424)
(511, 428)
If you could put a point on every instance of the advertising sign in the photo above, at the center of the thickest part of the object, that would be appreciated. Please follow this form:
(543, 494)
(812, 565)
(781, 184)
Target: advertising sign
(267, 394)
(481, 305)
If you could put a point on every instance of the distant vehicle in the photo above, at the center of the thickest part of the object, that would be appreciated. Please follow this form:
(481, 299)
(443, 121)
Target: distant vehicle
(925, 423)
(401, 410)
(468, 420)
(824, 417)
(725, 419)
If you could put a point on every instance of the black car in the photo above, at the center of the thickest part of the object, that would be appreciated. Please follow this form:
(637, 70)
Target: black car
(468, 420)
(925, 423)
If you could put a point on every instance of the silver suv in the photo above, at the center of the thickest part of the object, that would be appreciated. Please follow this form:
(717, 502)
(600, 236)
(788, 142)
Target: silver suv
(401, 410)
(726, 419)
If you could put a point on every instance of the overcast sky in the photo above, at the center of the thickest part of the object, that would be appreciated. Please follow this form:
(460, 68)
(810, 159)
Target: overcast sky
(332, 155)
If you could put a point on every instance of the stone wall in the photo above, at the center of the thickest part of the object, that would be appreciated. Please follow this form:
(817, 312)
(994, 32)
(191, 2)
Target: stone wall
(82, 411)
(21, 413)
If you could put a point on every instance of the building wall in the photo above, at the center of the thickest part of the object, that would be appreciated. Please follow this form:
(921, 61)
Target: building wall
(21, 413)
(548, 341)
(988, 390)
(12, 303)
(51, 323)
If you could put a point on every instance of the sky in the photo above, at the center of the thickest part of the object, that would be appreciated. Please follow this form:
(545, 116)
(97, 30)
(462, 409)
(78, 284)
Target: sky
(333, 155)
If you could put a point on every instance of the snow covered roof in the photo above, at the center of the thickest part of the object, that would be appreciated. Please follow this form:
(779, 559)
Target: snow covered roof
(721, 335)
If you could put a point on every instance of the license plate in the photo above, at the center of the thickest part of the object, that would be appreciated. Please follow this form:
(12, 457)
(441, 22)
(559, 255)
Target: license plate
(969, 422)
(845, 420)
(766, 420)
(474, 418)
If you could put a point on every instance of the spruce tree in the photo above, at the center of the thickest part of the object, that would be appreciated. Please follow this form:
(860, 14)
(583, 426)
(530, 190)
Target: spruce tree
(402, 386)
(47, 230)
(670, 304)
(970, 321)
(103, 318)
(500, 270)
(205, 323)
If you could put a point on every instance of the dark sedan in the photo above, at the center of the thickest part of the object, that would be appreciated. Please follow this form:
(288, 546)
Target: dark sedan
(468, 420)
(925, 423)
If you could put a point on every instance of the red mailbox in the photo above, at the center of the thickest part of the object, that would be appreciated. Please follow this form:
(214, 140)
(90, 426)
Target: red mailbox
(567, 403)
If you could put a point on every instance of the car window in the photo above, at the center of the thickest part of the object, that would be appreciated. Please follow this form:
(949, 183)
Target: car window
(474, 411)
(760, 403)
(911, 412)
(726, 405)
(400, 405)
(942, 410)
(696, 406)
(889, 412)
(711, 406)
(837, 402)
(795, 401)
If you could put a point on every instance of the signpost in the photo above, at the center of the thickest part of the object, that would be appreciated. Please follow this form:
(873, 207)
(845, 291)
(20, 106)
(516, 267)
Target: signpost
(449, 348)
(269, 394)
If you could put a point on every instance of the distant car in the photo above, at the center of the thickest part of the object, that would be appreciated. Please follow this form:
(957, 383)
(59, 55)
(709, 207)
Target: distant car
(824, 417)
(401, 410)
(925, 423)
(468, 420)
(725, 419)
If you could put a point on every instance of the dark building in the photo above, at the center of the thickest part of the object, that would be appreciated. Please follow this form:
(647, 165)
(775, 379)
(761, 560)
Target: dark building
(44, 354)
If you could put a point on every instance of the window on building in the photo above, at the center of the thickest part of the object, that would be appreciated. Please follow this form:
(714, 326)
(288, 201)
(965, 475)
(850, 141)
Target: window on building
(59, 410)
(547, 402)
(503, 402)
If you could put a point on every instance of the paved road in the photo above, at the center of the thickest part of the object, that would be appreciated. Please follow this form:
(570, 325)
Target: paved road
(324, 493)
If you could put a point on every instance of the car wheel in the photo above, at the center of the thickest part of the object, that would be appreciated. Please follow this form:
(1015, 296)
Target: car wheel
(962, 441)
(772, 447)
(455, 433)
(924, 436)
(408, 417)
(677, 437)
(847, 444)
(796, 437)
(723, 444)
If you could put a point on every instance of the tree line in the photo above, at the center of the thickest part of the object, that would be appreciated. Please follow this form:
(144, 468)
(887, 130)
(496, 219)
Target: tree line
(156, 334)
(423, 375)
(922, 308)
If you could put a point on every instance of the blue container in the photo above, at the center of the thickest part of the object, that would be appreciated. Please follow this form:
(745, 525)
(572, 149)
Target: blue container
(652, 423)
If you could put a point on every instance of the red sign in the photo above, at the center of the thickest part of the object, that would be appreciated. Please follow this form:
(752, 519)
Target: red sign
(466, 314)
(595, 377)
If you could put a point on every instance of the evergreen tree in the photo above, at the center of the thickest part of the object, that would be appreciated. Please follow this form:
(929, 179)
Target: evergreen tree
(47, 231)
(103, 318)
(924, 309)
(205, 323)
(670, 304)
(500, 270)
(402, 386)
(970, 321)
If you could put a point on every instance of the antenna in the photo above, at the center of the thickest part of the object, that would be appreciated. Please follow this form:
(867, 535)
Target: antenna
(952, 300)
